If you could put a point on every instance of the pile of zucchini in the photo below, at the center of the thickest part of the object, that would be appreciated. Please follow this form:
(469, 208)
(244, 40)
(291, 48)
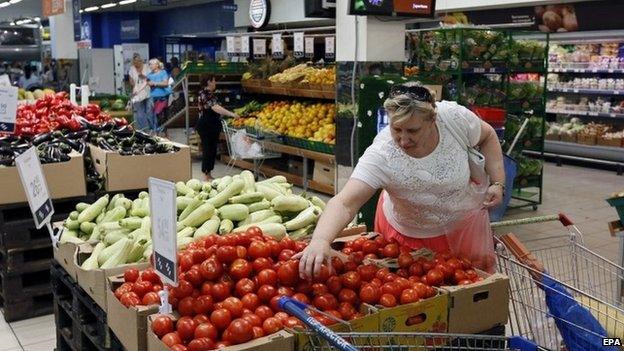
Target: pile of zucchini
(120, 228)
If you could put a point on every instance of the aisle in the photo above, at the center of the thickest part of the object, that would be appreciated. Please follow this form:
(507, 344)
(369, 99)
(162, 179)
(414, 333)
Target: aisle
(578, 192)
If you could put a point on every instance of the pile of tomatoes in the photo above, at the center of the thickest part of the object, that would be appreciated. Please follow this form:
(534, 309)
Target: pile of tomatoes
(229, 287)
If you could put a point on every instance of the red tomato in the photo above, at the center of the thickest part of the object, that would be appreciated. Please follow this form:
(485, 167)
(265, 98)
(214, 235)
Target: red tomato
(464, 282)
(258, 332)
(322, 275)
(122, 289)
(266, 292)
(421, 290)
(271, 325)
(131, 275)
(282, 316)
(402, 272)
(454, 263)
(388, 300)
(201, 318)
(405, 260)
(427, 265)
(471, 274)
(130, 299)
(150, 276)
(262, 263)
(162, 325)
(300, 246)
(288, 273)
(391, 250)
(357, 257)
(377, 282)
(185, 261)
(141, 288)
(304, 287)
(350, 266)
(292, 322)
(319, 289)
(186, 306)
(301, 298)
(347, 295)
(211, 269)
(259, 249)
(171, 339)
(334, 284)
(286, 254)
(287, 243)
(381, 273)
(151, 298)
(391, 288)
(351, 280)
(416, 269)
(241, 251)
(251, 301)
(186, 328)
(381, 241)
(459, 275)
(326, 321)
(435, 277)
(244, 286)
(367, 272)
(220, 291)
(370, 247)
(203, 304)
(234, 305)
(446, 270)
(221, 318)
(194, 277)
(206, 330)
(409, 296)
(226, 254)
(326, 302)
(403, 283)
(240, 269)
(346, 310)
(240, 331)
(274, 303)
(357, 244)
(390, 277)
(201, 344)
(206, 288)
(337, 265)
(267, 276)
(370, 294)
(178, 347)
(254, 231)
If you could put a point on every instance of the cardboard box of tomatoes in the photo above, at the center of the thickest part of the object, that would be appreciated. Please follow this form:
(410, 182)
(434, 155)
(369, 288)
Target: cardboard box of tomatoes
(65, 255)
(128, 323)
(56, 175)
(281, 340)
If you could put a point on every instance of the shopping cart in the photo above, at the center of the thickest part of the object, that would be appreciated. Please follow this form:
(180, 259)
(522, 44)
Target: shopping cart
(322, 338)
(257, 139)
(574, 275)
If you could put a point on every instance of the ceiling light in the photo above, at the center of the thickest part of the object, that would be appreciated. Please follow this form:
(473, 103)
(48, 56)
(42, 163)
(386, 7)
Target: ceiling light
(81, 11)
(12, 23)
(4, 4)
(109, 5)
(92, 8)
(37, 19)
(126, 2)
(14, 1)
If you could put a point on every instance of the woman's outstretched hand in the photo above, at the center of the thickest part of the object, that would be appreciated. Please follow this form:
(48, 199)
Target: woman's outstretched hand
(493, 196)
(311, 259)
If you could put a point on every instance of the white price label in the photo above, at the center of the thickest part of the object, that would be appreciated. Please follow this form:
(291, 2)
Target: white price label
(575, 91)
(616, 92)
(298, 44)
(259, 47)
(163, 212)
(8, 108)
(35, 186)
(479, 70)
(330, 47)
(229, 45)
(309, 46)
(237, 45)
(245, 45)
(277, 47)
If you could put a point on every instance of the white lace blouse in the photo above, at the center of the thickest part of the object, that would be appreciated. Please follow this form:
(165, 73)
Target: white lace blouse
(424, 197)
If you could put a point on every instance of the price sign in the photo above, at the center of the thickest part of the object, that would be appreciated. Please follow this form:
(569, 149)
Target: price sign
(259, 47)
(277, 47)
(163, 211)
(8, 108)
(244, 46)
(329, 47)
(35, 187)
(230, 46)
(237, 45)
(298, 46)
(309, 46)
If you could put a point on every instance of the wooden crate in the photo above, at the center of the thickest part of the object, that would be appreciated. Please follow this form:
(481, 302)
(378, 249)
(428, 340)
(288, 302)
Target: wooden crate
(569, 138)
(587, 139)
(609, 142)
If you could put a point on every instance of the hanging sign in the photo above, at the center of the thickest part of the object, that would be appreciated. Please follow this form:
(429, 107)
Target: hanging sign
(8, 108)
(298, 45)
(277, 46)
(244, 46)
(237, 46)
(259, 48)
(259, 13)
(329, 47)
(35, 186)
(163, 213)
(52, 7)
(229, 46)
(309, 46)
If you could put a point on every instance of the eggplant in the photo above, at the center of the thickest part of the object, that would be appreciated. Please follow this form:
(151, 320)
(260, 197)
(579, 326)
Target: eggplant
(8, 138)
(83, 148)
(149, 149)
(42, 138)
(7, 161)
(6, 150)
(74, 144)
(77, 135)
(123, 132)
(145, 138)
(103, 144)
(137, 151)
(125, 152)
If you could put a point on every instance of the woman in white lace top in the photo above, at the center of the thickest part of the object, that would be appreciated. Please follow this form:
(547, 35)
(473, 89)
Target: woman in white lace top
(420, 161)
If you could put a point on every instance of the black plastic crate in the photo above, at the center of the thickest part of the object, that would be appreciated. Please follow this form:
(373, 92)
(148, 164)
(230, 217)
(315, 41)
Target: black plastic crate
(22, 234)
(15, 287)
(37, 257)
(28, 307)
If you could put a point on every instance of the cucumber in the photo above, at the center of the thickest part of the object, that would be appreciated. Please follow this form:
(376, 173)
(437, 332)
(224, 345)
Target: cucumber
(289, 203)
(226, 226)
(211, 226)
(258, 206)
(234, 212)
(234, 188)
(258, 216)
(247, 198)
(81, 206)
(224, 182)
(94, 210)
(73, 215)
(303, 219)
(194, 184)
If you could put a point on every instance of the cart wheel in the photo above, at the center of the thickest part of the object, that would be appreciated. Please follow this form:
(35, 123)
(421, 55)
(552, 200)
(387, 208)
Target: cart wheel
(534, 207)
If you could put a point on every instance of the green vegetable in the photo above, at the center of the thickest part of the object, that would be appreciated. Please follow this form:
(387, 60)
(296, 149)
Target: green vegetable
(188, 231)
(92, 262)
(316, 201)
(182, 202)
(94, 210)
(131, 222)
(194, 184)
(73, 215)
(213, 193)
(113, 201)
(275, 179)
(143, 195)
(198, 216)
(81, 206)
(211, 226)
(303, 219)
(71, 224)
(87, 227)
(120, 257)
(184, 242)
(206, 187)
(289, 203)
(272, 219)
(115, 236)
(247, 198)
(108, 252)
(100, 217)
(226, 226)
(250, 182)
(234, 188)
(234, 212)
(258, 216)
(114, 215)
(192, 206)
(136, 254)
(258, 206)
(302, 233)
(125, 203)
(95, 234)
(269, 192)
(182, 189)
(224, 182)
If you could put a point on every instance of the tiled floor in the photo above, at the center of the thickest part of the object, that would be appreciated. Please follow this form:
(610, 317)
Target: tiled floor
(577, 192)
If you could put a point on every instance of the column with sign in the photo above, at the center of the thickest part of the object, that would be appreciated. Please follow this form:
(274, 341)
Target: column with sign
(259, 48)
(237, 46)
(309, 47)
(8, 108)
(330, 51)
(298, 47)
(277, 47)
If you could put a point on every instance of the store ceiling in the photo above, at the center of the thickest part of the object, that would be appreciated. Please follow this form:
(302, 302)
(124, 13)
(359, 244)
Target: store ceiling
(143, 5)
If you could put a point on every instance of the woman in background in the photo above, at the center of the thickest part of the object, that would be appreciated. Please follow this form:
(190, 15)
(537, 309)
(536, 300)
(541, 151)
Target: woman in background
(158, 80)
(141, 102)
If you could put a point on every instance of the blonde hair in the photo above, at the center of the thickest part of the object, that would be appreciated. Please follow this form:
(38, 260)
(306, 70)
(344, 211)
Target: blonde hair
(157, 62)
(404, 106)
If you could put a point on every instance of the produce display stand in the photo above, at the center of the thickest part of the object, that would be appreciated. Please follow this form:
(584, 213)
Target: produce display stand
(290, 91)
(480, 68)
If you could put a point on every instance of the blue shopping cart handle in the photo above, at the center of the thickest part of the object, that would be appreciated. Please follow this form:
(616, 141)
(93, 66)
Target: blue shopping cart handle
(297, 309)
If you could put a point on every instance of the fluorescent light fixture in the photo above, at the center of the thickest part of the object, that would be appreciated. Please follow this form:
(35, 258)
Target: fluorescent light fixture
(92, 8)
(109, 5)
(37, 19)
(12, 23)
(126, 2)
(81, 11)
(14, 1)
(4, 4)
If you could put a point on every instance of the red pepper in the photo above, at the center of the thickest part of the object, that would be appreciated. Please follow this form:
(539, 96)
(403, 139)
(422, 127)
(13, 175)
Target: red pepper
(74, 125)
(120, 122)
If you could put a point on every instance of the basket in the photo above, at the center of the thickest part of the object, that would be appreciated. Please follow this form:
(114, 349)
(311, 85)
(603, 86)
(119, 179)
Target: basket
(568, 138)
(491, 115)
(309, 145)
(586, 139)
(609, 142)
(555, 137)
(315, 86)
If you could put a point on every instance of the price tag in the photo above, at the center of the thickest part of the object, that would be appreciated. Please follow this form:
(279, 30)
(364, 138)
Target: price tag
(575, 90)
(298, 45)
(613, 115)
(330, 51)
(8, 108)
(594, 114)
(309, 46)
(594, 71)
(245, 46)
(259, 47)
(479, 70)
(36, 189)
(237, 45)
(230, 46)
(277, 47)
(163, 211)
(610, 71)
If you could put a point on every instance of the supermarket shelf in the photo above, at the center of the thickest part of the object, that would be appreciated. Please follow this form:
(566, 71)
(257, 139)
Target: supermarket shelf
(589, 152)
(307, 93)
(587, 91)
(584, 70)
(587, 113)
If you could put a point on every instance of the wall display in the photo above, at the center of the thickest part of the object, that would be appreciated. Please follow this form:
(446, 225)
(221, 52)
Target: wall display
(259, 13)
(405, 8)
(130, 29)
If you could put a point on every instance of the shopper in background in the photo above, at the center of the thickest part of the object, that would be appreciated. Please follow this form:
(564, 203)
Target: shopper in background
(421, 163)
(158, 80)
(30, 79)
(209, 123)
(141, 102)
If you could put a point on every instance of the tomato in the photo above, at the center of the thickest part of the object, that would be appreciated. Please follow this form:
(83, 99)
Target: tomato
(390, 277)
(131, 275)
(186, 307)
(267, 276)
(282, 316)
(391, 288)
(391, 250)
(241, 251)
(370, 247)
(304, 287)
(220, 291)
(185, 261)
(271, 325)
(347, 295)
(178, 347)
(162, 325)
(250, 301)
(471, 274)
(388, 300)
(337, 265)
(319, 289)
(381, 241)
(194, 277)
(381, 273)
(357, 244)
(300, 246)
(226, 254)
(259, 249)
(416, 269)
(370, 294)
(141, 288)
(274, 303)
(454, 263)
(151, 298)
(346, 310)
(334, 284)
(201, 344)
(276, 248)
(287, 243)
(221, 318)
(203, 304)
(286, 254)
(240, 269)
(201, 318)
(326, 321)
(351, 280)
(186, 327)
(288, 273)
(206, 330)
(367, 272)
(347, 251)
(446, 270)
(171, 339)
(206, 288)
(223, 344)
(421, 290)
(211, 269)
(350, 266)
(254, 231)
(357, 257)
(405, 260)
(459, 275)
(435, 277)
(409, 296)
(130, 299)
(266, 292)
(301, 298)
(326, 302)
(322, 275)
(234, 305)
(240, 331)
(262, 263)
(427, 265)
(263, 312)
(244, 286)
(292, 322)
(258, 332)
(377, 282)
(122, 289)
(150, 276)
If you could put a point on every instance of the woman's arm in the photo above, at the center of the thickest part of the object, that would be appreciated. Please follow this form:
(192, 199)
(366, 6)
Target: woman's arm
(340, 210)
(491, 149)
(223, 111)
